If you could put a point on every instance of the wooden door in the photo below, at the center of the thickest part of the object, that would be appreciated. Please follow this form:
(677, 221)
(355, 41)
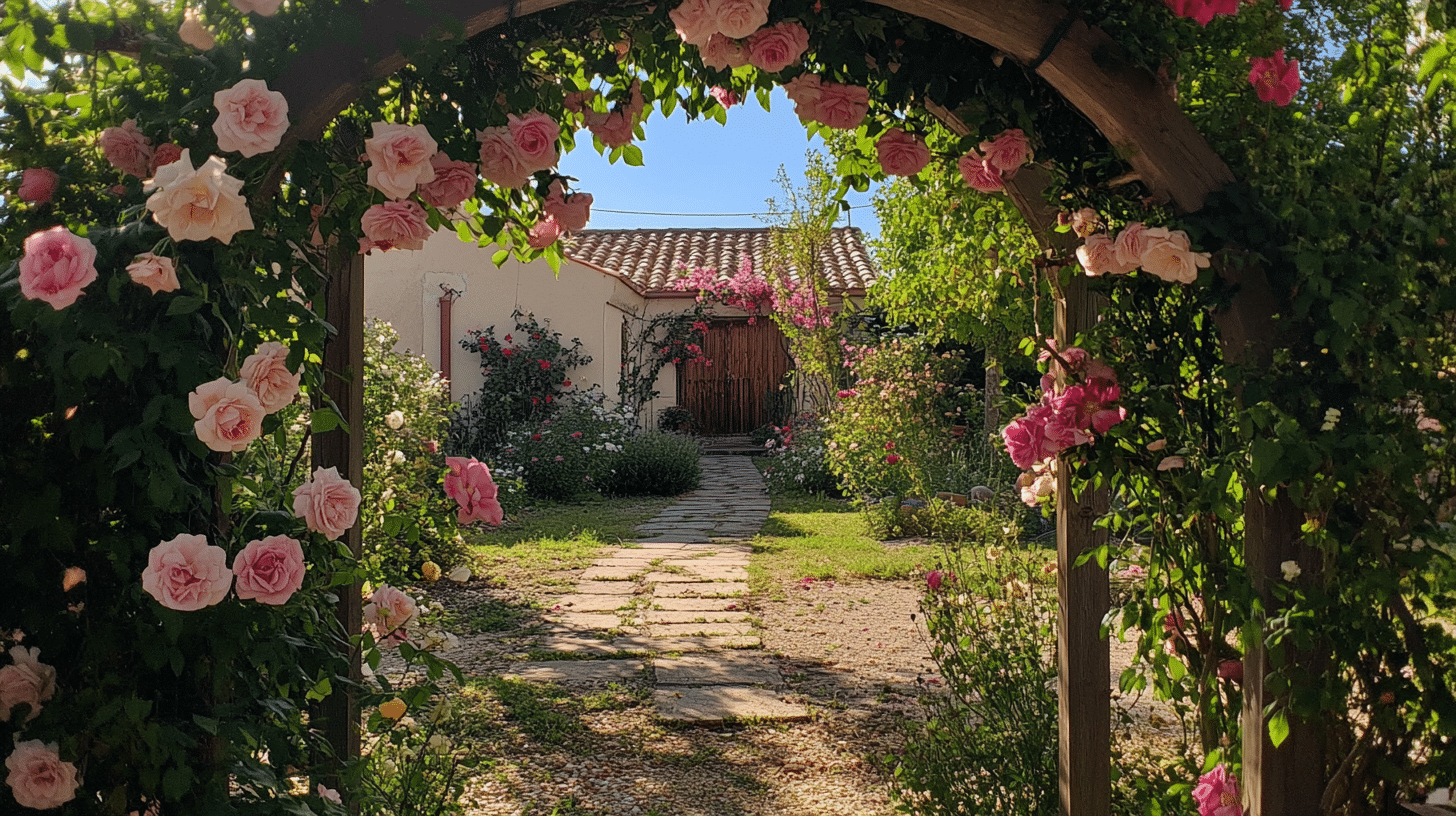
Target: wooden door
(740, 390)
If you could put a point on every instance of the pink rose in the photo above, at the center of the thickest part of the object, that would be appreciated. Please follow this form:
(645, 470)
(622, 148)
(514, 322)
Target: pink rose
(1431, 424)
(980, 174)
(1274, 79)
(453, 183)
(266, 374)
(165, 154)
(721, 54)
(1098, 256)
(777, 47)
(395, 225)
(805, 91)
(1231, 670)
(935, 578)
(1203, 10)
(614, 129)
(39, 778)
(843, 106)
(37, 185)
(187, 573)
(469, 483)
(194, 33)
(1131, 242)
(570, 211)
(1007, 152)
(269, 570)
(544, 233)
(1027, 440)
(1086, 222)
(535, 135)
(579, 101)
(388, 612)
(266, 8)
(155, 272)
(725, 96)
(399, 158)
(501, 161)
(1217, 793)
(250, 118)
(56, 266)
(195, 205)
(330, 794)
(901, 153)
(738, 18)
(128, 149)
(694, 22)
(228, 415)
(327, 503)
(1168, 256)
(25, 680)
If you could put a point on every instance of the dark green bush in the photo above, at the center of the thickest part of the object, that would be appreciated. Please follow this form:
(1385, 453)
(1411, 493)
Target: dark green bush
(657, 464)
(573, 452)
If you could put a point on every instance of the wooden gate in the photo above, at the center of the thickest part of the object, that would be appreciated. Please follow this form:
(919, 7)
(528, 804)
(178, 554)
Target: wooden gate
(740, 390)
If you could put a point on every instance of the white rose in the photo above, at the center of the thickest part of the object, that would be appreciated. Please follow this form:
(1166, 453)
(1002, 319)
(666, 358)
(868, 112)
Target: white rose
(1290, 569)
(395, 420)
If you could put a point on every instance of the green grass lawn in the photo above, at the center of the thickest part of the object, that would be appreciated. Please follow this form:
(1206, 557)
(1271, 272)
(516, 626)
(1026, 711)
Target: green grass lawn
(806, 536)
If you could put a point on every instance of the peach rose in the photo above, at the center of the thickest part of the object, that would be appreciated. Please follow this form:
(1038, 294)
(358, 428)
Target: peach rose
(544, 233)
(250, 118)
(388, 612)
(25, 680)
(614, 129)
(501, 161)
(453, 183)
(228, 414)
(721, 53)
(694, 22)
(1168, 256)
(901, 153)
(269, 570)
(805, 91)
(327, 503)
(535, 135)
(128, 149)
(266, 374)
(165, 154)
(187, 573)
(56, 267)
(39, 778)
(979, 174)
(155, 272)
(777, 47)
(1098, 256)
(843, 106)
(399, 158)
(1007, 152)
(37, 185)
(266, 8)
(395, 225)
(195, 205)
(194, 33)
(1131, 242)
(570, 211)
(738, 18)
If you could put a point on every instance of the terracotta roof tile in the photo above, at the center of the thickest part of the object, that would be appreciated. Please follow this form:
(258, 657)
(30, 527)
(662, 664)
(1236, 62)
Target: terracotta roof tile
(650, 258)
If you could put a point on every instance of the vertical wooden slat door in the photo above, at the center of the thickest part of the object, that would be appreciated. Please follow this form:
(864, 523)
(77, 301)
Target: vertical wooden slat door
(736, 393)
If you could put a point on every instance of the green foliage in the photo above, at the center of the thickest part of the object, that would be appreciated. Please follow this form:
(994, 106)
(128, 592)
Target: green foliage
(652, 344)
(798, 460)
(573, 452)
(654, 463)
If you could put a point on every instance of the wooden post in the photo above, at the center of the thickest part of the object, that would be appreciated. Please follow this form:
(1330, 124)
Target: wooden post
(337, 716)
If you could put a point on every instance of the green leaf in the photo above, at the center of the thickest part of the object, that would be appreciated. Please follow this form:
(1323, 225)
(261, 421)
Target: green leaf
(1278, 728)
(207, 724)
(185, 304)
(632, 155)
(325, 420)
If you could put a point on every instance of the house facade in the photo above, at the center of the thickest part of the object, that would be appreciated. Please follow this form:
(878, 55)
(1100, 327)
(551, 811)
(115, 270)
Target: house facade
(610, 282)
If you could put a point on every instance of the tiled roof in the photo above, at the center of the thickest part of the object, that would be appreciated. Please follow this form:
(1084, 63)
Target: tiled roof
(650, 258)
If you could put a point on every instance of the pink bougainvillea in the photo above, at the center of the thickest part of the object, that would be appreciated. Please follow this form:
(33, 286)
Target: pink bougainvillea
(469, 483)
(228, 415)
(399, 158)
(250, 118)
(56, 267)
(1217, 793)
(37, 185)
(269, 570)
(901, 153)
(327, 503)
(39, 778)
(394, 225)
(1275, 79)
(187, 574)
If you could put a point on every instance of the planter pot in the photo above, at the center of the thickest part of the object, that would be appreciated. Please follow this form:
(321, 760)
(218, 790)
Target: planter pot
(958, 499)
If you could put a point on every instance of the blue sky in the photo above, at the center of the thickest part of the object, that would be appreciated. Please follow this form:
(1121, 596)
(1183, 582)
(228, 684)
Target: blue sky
(703, 167)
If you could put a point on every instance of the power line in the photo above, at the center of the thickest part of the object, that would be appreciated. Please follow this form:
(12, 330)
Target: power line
(702, 215)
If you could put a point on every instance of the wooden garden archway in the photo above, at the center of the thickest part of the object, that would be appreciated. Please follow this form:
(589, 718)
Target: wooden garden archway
(1167, 154)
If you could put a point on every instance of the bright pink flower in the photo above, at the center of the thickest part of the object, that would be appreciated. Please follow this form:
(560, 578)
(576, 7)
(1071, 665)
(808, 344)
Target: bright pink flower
(56, 266)
(1034, 437)
(935, 578)
(535, 135)
(25, 680)
(889, 445)
(843, 106)
(187, 574)
(128, 149)
(1275, 80)
(501, 162)
(469, 483)
(1231, 670)
(250, 118)
(1217, 793)
(394, 225)
(805, 91)
(892, 459)
(979, 174)
(901, 153)
(722, 53)
(1092, 406)
(229, 415)
(39, 778)
(399, 158)
(37, 185)
(544, 233)
(269, 570)
(570, 211)
(327, 503)
(725, 96)
(454, 182)
(777, 47)
(1007, 152)
(1203, 11)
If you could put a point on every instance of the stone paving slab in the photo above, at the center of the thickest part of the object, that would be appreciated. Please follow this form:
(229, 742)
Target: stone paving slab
(697, 604)
(727, 669)
(618, 588)
(566, 644)
(671, 578)
(679, 538)
(714, 704)
(706, 589)
(577, 672)
(642, 643)
(584, 620)
(610, 573)
(713, 572)
(664, 630)
(692, 616)
(634, 564)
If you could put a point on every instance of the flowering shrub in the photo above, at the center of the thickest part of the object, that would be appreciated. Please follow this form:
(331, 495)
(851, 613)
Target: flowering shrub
(798, 460)
(674, 338)
(525, 373)
(654, 463)
(571, 453)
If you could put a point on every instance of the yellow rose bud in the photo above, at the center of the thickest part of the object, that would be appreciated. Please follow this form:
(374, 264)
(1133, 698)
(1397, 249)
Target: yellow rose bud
(430, 570)
(393, 710)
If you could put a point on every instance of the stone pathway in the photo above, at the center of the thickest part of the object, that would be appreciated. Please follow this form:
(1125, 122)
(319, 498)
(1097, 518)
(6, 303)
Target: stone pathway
(676, 596)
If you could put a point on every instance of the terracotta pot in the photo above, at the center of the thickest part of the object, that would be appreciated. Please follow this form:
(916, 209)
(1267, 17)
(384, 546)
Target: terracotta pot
(958, 499)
